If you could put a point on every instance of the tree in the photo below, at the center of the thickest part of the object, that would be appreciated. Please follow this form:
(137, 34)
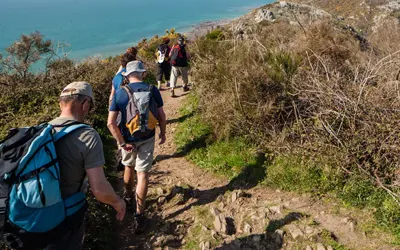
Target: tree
(28, 50)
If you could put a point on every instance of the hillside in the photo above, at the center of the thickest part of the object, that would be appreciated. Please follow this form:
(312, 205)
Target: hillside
(289, 138)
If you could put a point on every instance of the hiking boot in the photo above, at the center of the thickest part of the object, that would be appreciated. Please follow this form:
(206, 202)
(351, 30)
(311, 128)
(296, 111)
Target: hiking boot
(168, 84)
(120, 166)
(141, 223)
(172, 93)
(185, 88)
(130, 201)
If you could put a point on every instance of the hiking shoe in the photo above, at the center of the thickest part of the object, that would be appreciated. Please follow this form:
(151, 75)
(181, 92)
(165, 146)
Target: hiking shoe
(172, 93)
(130, 201)
(141, 223)
(185, 88)
(120, 166)
(168, 85)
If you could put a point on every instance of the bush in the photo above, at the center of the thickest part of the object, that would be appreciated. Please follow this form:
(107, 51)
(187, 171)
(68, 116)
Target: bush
(308, 93)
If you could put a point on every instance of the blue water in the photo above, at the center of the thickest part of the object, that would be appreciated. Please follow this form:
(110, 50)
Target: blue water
(108, 27)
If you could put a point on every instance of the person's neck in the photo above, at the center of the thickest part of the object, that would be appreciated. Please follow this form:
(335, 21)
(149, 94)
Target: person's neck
(135, 80)
(71, 116)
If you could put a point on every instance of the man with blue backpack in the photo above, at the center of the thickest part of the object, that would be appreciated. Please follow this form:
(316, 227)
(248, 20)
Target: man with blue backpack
(43, 182)
(141, 107)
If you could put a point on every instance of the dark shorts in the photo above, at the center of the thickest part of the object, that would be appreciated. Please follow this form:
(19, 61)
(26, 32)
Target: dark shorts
(73, 238)
(164, 69)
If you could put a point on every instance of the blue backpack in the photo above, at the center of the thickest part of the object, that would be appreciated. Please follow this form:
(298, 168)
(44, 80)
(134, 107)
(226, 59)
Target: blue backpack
(32, 208)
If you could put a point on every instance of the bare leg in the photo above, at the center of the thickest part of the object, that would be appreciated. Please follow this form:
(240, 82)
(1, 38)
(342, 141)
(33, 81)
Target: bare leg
(129, 180)
(141, 191)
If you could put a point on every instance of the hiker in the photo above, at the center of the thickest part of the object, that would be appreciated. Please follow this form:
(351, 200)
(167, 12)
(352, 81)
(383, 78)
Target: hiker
(179, 61)
(117, 81)
(51, 205)
(141, 107)
(163, 62)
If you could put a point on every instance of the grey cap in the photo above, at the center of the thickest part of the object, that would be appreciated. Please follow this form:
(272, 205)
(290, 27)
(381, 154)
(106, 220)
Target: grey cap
(134, 66)
(78, 88)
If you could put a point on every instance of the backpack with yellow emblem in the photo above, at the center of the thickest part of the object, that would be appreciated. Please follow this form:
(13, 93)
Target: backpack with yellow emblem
(141, 112)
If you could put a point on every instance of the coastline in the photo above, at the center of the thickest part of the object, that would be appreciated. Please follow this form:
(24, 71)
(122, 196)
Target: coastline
(201, 29)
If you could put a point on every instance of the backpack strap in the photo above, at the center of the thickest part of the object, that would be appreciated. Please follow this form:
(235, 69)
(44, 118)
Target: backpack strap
(68, 129)
(128, 90)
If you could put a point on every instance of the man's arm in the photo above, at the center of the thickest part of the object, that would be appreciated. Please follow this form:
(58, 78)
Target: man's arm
(104, 192)
(113, 127)
(111, 95)
(119, 70)
(163, 124)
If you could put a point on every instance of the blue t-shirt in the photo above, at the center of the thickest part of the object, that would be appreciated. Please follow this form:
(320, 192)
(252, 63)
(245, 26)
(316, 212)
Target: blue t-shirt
(120, 102)
(118, 79)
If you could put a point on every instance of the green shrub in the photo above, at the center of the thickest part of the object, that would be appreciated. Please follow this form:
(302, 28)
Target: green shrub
(216, 34)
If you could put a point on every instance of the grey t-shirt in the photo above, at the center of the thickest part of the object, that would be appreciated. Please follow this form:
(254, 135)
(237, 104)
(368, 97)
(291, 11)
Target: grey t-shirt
(81, 149)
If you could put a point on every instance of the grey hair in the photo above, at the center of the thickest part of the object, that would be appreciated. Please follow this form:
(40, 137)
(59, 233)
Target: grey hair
(72, 98)
(137, 75)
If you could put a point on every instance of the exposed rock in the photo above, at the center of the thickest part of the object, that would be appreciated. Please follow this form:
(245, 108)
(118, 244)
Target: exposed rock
(221, 205)
(295, 232)
(214, 234)
(176, 190)
(204, 228)
(320, 246)
(214, 211)
(160, 191)
(329, 248)
(220, 224)
(256, 238)
(283, 4)
(264, 15)
(162, 239)
(236, 195)
(220, 198)
(276, 209)
(352, 226)
(309, 248)
(277, 236)
(309, 230)
(161, 200)
(247, 228)
(169, 248)
(205, 245)
(346, 220)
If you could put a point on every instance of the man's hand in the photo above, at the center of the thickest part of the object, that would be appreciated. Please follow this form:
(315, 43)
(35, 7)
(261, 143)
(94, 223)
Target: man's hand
(128, 147)
(162, 139)
(120, 207)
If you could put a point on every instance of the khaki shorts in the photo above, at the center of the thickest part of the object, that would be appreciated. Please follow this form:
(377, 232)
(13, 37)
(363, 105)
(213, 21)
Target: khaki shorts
(176, 71)
(142, 157)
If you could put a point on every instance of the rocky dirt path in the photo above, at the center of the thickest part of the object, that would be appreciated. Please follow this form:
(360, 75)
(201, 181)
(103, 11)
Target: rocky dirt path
(190, 208)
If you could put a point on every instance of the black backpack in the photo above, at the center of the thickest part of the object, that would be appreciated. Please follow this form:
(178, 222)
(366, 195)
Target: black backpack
(178, 57)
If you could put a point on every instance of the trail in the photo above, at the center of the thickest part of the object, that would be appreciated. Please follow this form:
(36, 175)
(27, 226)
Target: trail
(194, 209)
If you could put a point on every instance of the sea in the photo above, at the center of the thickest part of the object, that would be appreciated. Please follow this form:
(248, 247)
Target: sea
(107, 27)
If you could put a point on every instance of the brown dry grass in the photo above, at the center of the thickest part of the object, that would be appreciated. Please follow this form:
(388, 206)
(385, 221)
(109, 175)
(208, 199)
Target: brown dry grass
(317, 91)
